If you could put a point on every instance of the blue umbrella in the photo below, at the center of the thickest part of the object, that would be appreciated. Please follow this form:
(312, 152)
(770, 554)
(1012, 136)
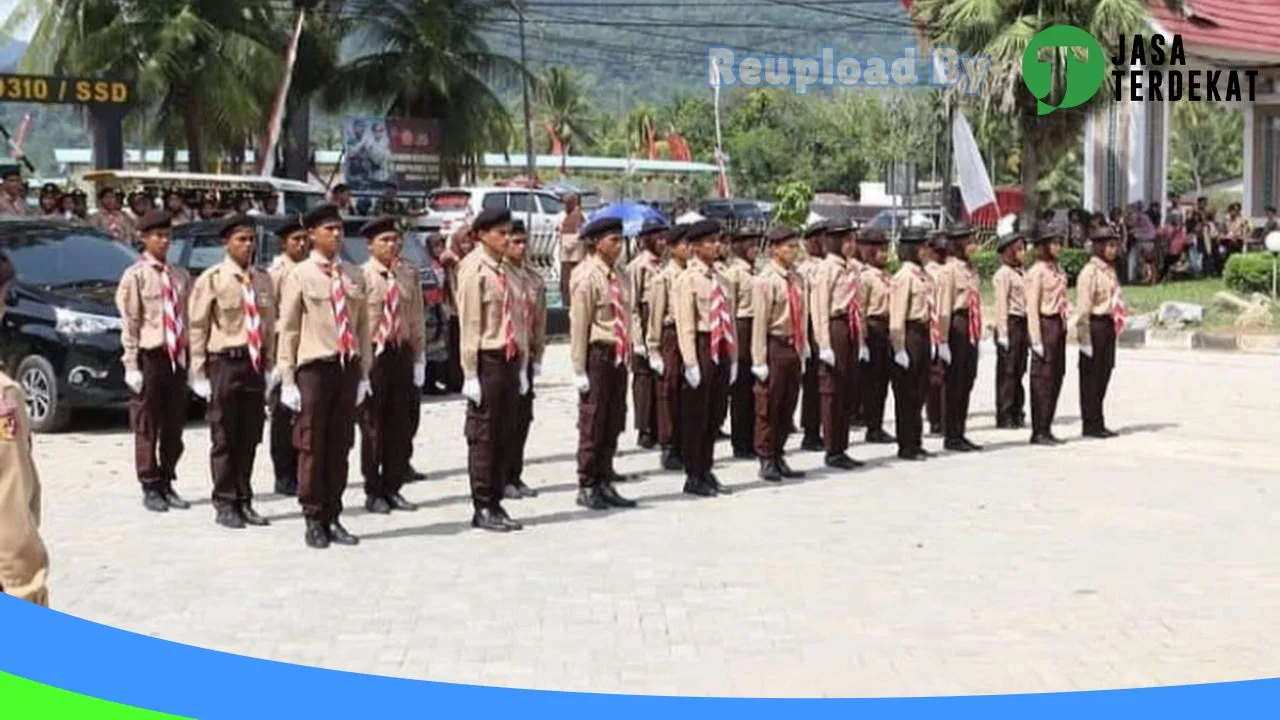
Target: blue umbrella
(632, 215)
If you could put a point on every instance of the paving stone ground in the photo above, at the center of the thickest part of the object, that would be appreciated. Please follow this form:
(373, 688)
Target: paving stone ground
(1150, 559)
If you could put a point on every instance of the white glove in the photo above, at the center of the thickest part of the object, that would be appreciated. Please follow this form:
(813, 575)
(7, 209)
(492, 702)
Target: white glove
(291, 398)
(524, 383)
(944, 352)
(903, 359)
(733, 372)
(133, 379)
(1086, 350)
(583, 383)
(1038, 349)
(864, 354)
(933, 352)
(419, 374)
(693, 376)
(363, 391)
(1003, 343)
(273, 379)
(537, 369)
(761, 372)
(828, 357)
(640, 349)
(471, 390)
(202, 388)
(657, 366)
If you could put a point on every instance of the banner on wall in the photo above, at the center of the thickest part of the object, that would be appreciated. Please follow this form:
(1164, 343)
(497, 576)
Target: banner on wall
(381, 150)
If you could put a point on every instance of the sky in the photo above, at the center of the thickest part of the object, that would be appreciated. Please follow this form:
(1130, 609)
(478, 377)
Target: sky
(6, 7)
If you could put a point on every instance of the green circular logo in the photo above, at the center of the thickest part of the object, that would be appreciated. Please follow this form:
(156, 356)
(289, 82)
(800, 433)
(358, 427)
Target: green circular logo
(1083, 75)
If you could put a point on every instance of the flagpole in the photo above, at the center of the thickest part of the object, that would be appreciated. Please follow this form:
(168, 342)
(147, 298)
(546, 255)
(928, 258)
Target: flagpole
(715, 99)
(267, 162)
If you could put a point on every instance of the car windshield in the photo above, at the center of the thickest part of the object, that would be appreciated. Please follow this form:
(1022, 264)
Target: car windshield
(205, 250)
(355, 249)
(414, 250)
(60, 258)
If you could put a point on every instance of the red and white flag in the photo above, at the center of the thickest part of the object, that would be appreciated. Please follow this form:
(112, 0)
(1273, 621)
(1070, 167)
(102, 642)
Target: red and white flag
(971, 172)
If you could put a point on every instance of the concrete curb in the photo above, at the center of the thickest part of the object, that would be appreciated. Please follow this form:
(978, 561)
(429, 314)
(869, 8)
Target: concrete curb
(1199, 340)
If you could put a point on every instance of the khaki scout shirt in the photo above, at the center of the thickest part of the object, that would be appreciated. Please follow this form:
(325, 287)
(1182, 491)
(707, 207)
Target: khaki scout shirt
(216, 309)
(308, 326)
(115, 223)
(934, 268)
(280, 267)
(641, 272)
(140, 301)
(661, 311)
(771, 309)
(877, 285)
(531, 330)
(571, 248)
(591, 311)
(1046, 297)
(10, 205)
(829, 296)
(910, 300)
(1096, 287)
(481, 278)
(692, 300)
(24, 562)
(413, 322)
(742, 275)
(1011, 297)
(806, 268)
(955, 281)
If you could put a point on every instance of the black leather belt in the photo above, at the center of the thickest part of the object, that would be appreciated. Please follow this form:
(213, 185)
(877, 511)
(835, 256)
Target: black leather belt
(235, 353)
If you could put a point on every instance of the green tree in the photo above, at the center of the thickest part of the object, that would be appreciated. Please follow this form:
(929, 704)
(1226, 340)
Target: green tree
(1206, 143)
(563, 105)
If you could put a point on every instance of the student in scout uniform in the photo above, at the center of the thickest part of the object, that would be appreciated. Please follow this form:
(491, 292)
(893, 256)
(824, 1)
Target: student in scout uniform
(599, 330)
(876, 354)
(740, 270)
(1102, 318)
(396, 321)
(232, 314)
(493, 367)
(778, 338)
(324, 356)
(1011, 333)
(640, 274)
(571, 248)
(934, 255)
(24, 561)
(704, 304)
(664, 350)
(152, 301)
(532, 336)
(853, 261)
(114, 221)
(1047, 311)
(720, 411)
(815, 243)
(960, 317)
(836, 319)
(294, 246)
(912, 332)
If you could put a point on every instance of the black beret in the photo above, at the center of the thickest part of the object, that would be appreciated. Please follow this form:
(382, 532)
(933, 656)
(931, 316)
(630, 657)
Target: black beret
(234, 222)
(839, 227)
(50, 189)
(913, 235)
(1006, 240)
(291, 226)
(958, 230)
(379, 225)
(779, 234)
(873, 236)
(1102, 234)
(340, 187)
(155, 220)
(490, 218)
(650, 226)
(678, 233)
(822, 226)
(13, 172)
(1045, 232)
(321, 215)
(600, 227)
(518, 228)
(702, 229)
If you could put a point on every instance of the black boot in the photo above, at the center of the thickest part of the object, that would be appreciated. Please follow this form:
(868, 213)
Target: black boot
(339, 534)
(506, 519)
(841, 461)
(286, 485)
(957, 445)
(377, 505)
(697, 486)
(397, 502)
(416, 475)
(525, 490)
(811, 443)
(591, 499)
(713, 481)
(229, 517)
(744, 454)
(153, 499)
(880, 437)
(511, 492)
(769, 471)
(671, 460)
(317, 536)
(611, 497)
(646, 441)
(251, 516)
(172, 499)
(486, 519)
(786, 470)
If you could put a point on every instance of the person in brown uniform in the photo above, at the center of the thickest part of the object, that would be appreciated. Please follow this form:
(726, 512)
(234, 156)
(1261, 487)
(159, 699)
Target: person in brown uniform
(113, 220)
(652, 240)
(836, 318)
(960, 318)
(664, 350)
(284, 457)
(934, 255)
(876, 354)
(815, 244)
(911, 313)
(532, 336)
(492, 364)
(853, 261)
(778, 329)
(720, 413)
(740, 270)
(704, 304)
(232, 311)
(572, 250)
(1047, 310)
(599, 329)
(397, 325)
(152, 300)
(1102, 318)
(24, 561)
(323, 356)
(1011, 333)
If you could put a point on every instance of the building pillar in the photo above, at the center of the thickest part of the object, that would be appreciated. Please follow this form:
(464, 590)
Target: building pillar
(1126, 154)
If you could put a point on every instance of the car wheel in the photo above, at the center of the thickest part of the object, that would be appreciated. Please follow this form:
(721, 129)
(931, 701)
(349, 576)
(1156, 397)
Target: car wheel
(39, 383)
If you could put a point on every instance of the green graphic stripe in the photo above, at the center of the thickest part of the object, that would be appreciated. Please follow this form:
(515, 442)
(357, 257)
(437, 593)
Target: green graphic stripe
(22, 699)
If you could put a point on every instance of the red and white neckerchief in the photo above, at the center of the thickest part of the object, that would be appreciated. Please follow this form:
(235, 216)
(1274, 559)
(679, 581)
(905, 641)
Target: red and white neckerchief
(974, 303)
(509, 345)
(252, 320)
(795, 308)
(113, 224)
(621, 339)
(1119, 313)
(341, 317)
(723, 344)
(175, 331)
(855, 302)
(931, 305)
(389, 323)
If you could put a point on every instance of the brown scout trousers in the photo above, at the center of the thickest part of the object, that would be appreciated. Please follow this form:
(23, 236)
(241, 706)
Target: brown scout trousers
(876, 373)
(386, 430)
(1095, 372)
(284, 457)
(810, 417)
(742, 410)
(524, 419)
(910, 385)
(491, 427)
(602, 415)
(961, 374)
(323, 434)
(236, 415)
(566, 270)
(669, 391)
(698, 406)
(935, 406)
(1046, 374)
(836, 389)
(644, 388)
(776, 398)
(157, 416)
(1011, 365)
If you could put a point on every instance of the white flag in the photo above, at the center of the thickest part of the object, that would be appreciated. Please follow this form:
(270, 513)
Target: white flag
(971, 172)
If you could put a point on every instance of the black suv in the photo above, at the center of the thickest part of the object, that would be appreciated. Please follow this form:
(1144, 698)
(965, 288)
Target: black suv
(60, 337)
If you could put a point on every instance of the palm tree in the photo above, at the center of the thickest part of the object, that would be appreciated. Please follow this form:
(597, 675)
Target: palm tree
(563, 105)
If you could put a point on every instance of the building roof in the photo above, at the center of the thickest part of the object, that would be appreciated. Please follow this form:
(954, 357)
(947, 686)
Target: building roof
(1244, 29)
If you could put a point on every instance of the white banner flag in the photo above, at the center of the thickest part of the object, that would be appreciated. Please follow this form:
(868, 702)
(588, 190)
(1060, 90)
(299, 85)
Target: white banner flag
(971, 172)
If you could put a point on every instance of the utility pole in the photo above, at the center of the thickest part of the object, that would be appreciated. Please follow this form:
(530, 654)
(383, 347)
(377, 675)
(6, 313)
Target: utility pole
(530, 168)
